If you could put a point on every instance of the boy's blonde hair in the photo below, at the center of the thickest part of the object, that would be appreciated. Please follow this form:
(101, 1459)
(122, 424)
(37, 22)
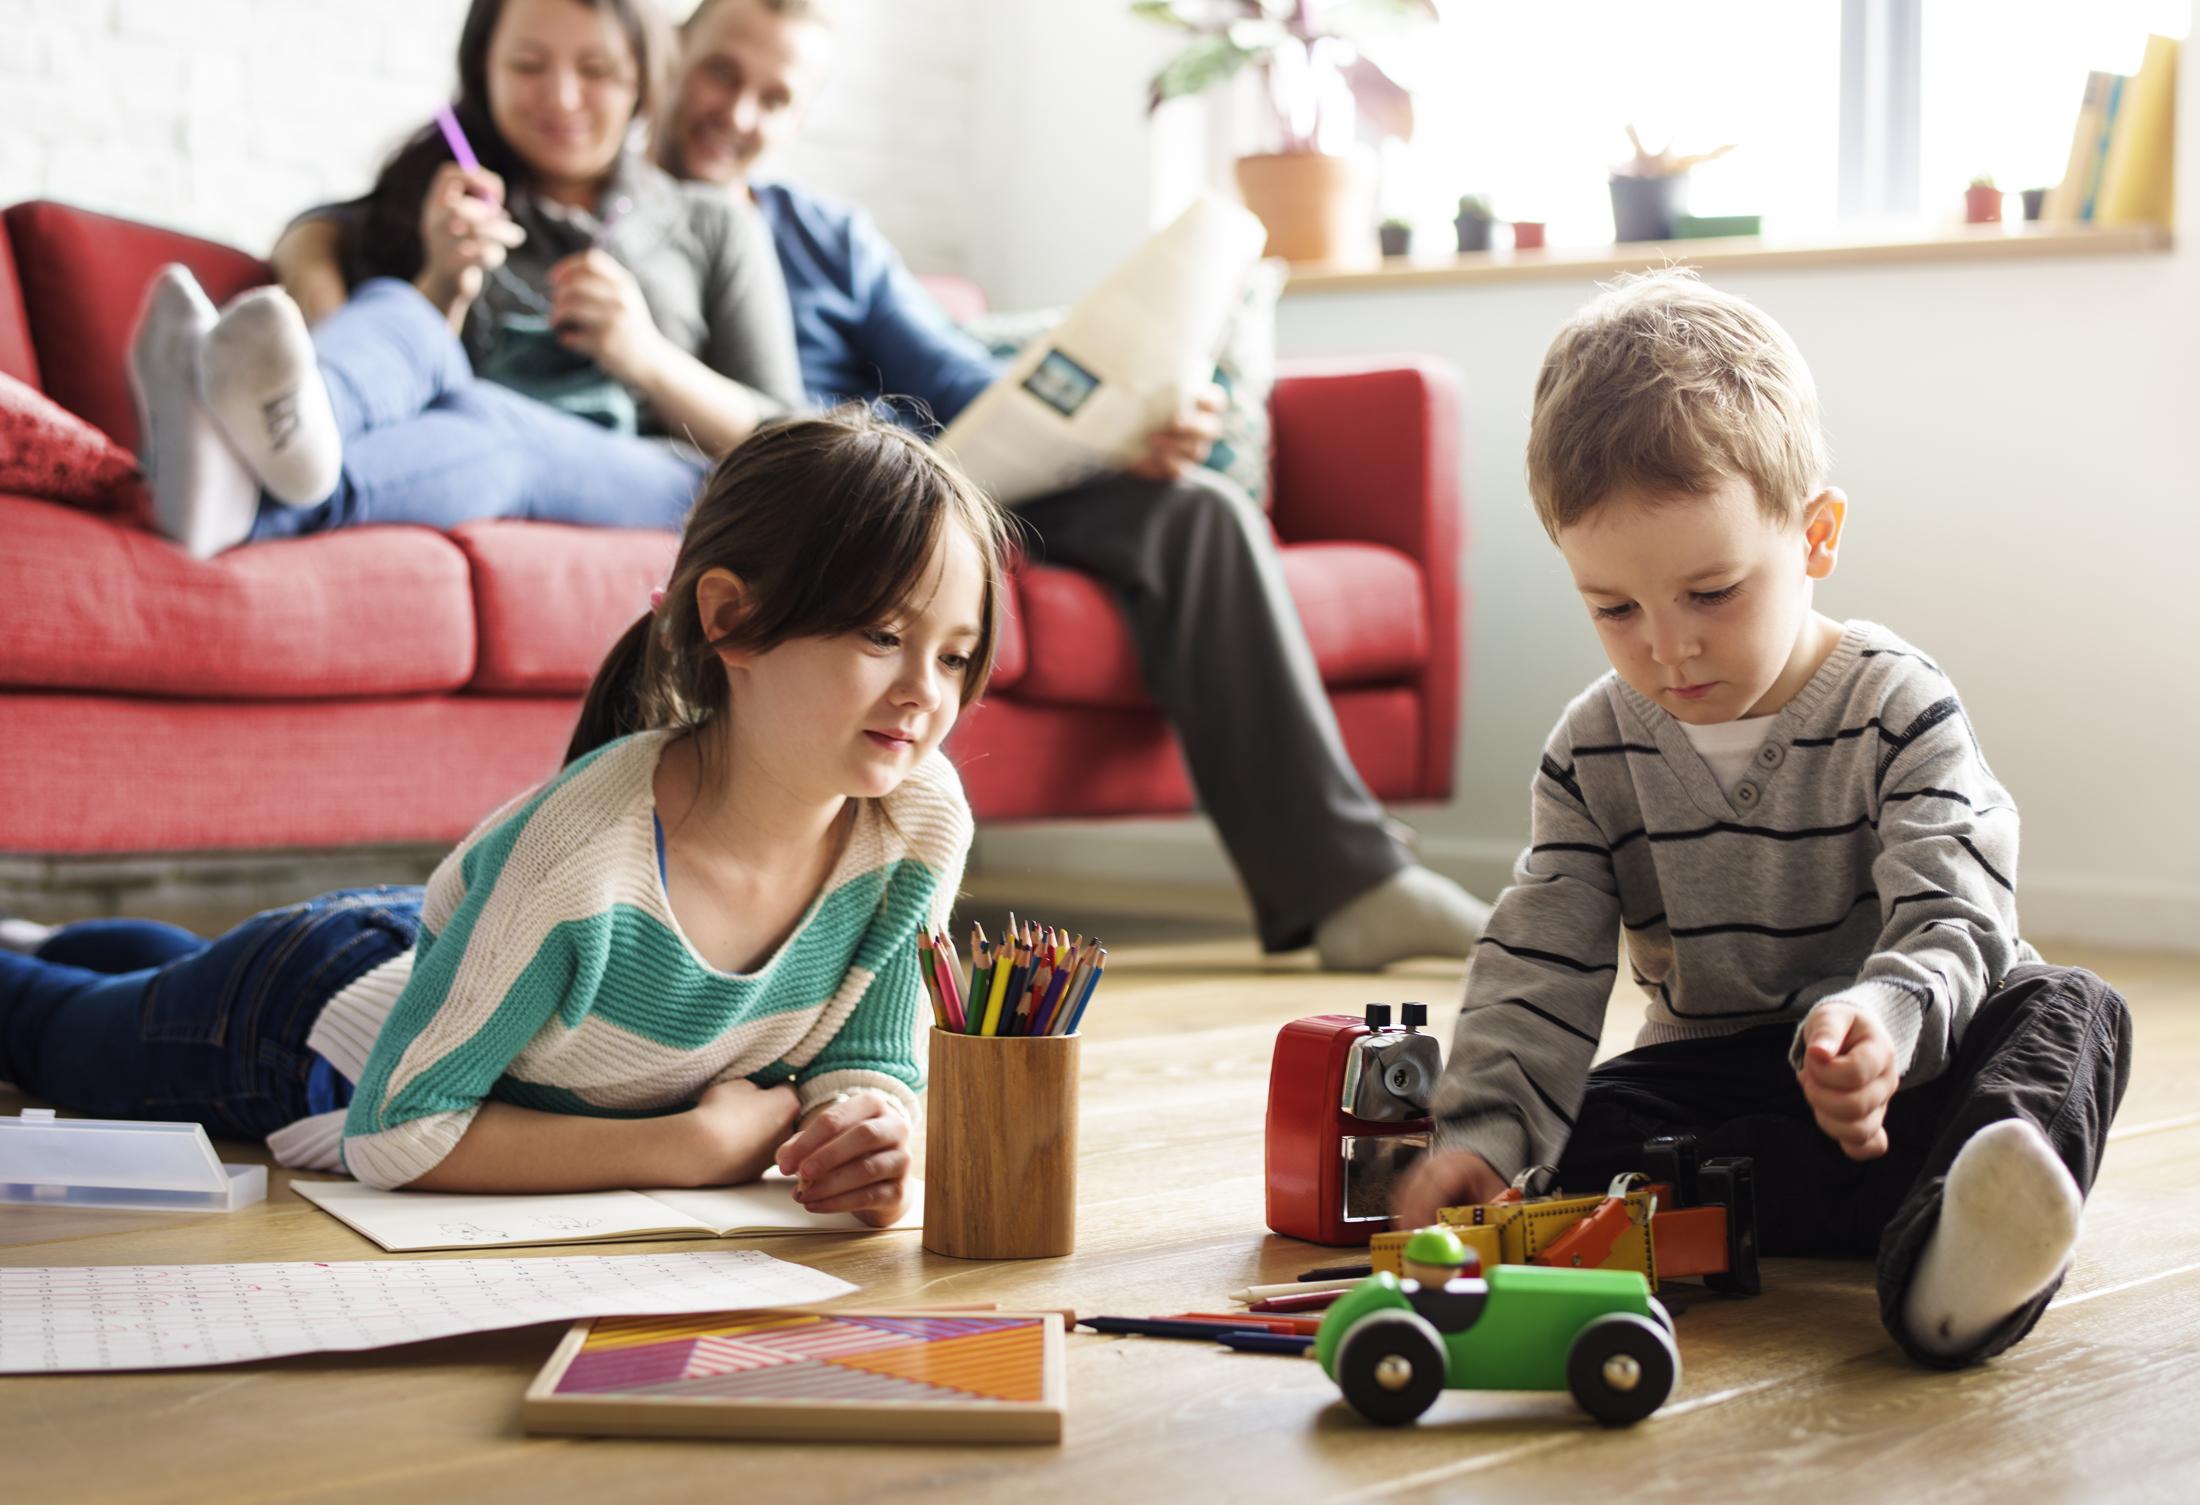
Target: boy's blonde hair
(1668, 385)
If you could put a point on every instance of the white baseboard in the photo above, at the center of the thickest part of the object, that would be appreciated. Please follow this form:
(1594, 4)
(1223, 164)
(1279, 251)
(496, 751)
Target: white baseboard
(1184, 857)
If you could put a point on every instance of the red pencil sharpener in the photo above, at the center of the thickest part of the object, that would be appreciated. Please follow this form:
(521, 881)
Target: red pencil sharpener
(1347, 1115)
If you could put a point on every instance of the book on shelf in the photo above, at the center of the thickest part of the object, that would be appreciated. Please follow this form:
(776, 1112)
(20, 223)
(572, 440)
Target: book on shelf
(2138, 169)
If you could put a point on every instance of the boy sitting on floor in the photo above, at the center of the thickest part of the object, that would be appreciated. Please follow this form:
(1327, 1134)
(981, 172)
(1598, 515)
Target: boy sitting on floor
(1792, 822)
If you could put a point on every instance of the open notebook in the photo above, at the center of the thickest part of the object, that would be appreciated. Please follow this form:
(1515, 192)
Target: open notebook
(406, 1221)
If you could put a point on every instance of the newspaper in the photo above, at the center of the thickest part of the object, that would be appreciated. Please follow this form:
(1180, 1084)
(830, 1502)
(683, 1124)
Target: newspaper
(1121, 364)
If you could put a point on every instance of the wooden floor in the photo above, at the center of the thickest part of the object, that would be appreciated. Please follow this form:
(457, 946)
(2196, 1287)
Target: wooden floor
(1797, 1392)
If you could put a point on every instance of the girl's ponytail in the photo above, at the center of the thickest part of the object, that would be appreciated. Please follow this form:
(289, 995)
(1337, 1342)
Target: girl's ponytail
(616, 706)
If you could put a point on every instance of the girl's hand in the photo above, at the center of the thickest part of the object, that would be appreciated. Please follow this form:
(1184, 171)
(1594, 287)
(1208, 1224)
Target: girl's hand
(853, 1156)
(1848, 1076)
(597, 308)
(464, 234)
(735, 1125)
(1440, 1179)
(1172, 451)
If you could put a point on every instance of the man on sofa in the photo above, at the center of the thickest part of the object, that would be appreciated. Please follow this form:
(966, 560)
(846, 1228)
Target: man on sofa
(1186, 551)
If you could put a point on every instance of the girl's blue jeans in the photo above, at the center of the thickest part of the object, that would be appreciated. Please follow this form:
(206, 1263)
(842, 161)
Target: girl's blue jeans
(137, 1019)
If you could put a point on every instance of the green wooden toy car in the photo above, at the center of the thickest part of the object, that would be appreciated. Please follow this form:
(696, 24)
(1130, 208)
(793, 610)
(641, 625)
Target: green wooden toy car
(1394, 1345)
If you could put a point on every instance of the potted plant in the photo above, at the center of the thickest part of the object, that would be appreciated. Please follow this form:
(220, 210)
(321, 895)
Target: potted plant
(1313, 73)
(1982, 201)
(1473, 222)
(2035, 200)
(1396, 236)
(1651, 187)
(1527, 234)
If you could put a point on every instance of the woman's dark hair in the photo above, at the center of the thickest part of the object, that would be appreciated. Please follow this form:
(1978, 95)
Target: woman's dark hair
(831, 524)
(389, 239)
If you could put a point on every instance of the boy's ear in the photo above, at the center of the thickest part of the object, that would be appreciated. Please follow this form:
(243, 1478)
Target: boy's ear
(1823, 517)
(722, 601)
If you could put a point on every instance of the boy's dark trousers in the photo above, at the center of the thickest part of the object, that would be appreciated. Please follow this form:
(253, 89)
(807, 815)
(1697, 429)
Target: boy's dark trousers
(2052, 1046)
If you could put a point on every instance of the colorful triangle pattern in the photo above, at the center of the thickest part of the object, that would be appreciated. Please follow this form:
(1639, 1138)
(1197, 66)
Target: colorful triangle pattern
(809, 1357)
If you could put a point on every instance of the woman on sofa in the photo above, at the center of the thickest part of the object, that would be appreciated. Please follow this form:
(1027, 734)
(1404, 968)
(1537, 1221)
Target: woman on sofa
(525, 335)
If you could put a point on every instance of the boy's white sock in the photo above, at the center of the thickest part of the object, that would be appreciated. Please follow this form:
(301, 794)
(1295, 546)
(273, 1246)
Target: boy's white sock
(262, 382)
(1413, 912)
(203, 497)
(2008, 1221)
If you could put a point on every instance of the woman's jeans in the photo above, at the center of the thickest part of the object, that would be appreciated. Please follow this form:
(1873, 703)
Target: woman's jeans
(136, 1019)
(426, 443)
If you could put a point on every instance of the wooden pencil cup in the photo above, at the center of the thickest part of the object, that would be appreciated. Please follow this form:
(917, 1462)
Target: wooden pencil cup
(1000, 1157)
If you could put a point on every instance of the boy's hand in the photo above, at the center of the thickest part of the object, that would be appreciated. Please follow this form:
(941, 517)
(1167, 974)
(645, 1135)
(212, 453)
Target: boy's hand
(852, 1156)
(1848, 1075)
(1439, 1179)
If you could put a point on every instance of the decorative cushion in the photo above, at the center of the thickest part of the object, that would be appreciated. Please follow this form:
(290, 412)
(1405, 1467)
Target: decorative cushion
(87, 605)
(51, 455)
(1245, 369)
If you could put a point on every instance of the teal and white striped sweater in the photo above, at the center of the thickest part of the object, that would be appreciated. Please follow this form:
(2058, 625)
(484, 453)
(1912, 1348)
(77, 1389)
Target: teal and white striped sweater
(551, 974)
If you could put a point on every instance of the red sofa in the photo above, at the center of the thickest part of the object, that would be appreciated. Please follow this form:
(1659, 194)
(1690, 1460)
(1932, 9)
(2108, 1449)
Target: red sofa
(391, 685)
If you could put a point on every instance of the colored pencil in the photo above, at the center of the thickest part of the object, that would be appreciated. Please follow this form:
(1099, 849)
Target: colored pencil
(1154, 1327)
(1311, 1301)
(1048, 1005)
(1092, 985)
(943, 957)
(1003, 964)
(1294, 1347)
(1251, 1322)
(446, 121)
(931, 979)
(981, 986)
(1339, 1272)
(1292, 1288)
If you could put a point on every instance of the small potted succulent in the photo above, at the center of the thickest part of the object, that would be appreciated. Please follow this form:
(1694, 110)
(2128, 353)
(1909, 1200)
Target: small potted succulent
(1472, 224)
(1982, 201)
(2035, 200)
(1396, 235)
(1651, 187)
(1527, 235)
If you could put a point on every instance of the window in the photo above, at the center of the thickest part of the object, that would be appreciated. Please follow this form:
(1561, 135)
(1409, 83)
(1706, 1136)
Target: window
(1529, 103)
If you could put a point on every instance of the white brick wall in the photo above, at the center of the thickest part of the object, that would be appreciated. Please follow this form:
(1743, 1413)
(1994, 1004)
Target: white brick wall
(226, 117)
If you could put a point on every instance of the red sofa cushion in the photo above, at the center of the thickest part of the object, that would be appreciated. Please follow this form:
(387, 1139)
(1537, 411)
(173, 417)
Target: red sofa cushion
(549, 600)
(49, 453)
(364, 611)
(83, 276)
(1364, 607)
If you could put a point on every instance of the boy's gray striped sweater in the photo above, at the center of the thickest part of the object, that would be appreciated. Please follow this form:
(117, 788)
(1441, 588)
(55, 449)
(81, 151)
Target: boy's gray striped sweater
(1870, 854)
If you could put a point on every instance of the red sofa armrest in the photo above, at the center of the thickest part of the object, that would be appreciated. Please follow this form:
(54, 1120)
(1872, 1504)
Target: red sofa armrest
(1367, 450)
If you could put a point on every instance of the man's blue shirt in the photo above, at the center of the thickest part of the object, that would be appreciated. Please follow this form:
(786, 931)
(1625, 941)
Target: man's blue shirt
(864, 328)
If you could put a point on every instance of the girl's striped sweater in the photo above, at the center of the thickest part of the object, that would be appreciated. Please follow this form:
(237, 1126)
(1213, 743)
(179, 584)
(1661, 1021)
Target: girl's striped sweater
(551, 974)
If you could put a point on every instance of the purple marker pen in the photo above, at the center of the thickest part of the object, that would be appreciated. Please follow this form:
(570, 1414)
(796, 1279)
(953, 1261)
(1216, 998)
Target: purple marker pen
(461, 149)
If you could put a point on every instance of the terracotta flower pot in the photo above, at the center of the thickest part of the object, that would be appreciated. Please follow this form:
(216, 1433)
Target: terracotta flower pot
(1310, 203)
(1981, 205)
(1527, 235)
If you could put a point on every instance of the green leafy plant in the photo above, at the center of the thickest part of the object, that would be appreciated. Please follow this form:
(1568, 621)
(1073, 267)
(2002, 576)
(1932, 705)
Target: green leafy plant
(1665, 163)
(1296, 47)
(1983, 180)
(1398, 224)
(1475, 206)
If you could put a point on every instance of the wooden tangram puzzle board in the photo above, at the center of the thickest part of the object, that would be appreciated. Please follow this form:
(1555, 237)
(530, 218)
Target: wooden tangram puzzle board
(892, 1376)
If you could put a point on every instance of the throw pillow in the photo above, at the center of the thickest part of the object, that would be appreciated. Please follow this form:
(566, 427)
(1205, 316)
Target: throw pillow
(51, 455)
(1245, 369)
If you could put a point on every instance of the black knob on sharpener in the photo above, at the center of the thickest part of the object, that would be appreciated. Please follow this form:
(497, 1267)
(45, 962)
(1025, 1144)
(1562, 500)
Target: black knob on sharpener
(1378, 1016)
(1413, 1015)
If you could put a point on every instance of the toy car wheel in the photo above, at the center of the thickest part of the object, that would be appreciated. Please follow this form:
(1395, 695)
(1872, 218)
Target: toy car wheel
(1391, 1367)
(1621, 1368)
(1665, 1318)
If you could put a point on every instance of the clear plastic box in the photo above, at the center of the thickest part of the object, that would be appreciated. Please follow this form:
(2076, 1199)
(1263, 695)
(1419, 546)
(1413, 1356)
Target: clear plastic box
(104, 1162)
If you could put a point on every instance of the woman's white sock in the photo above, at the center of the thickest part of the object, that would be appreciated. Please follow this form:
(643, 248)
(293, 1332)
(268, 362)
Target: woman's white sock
(2008, 1221)
(203, 497)
(1413, 912)
(262, 381)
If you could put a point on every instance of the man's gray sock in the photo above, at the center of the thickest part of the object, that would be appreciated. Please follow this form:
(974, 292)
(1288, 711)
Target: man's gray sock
(203, 497)
(262, 382)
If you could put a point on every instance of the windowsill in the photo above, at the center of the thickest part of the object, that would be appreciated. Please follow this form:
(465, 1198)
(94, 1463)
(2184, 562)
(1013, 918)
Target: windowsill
(1957, 243)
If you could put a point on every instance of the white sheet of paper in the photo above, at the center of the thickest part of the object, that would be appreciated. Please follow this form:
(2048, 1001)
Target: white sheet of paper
(56, 1320)
(408, 1222)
